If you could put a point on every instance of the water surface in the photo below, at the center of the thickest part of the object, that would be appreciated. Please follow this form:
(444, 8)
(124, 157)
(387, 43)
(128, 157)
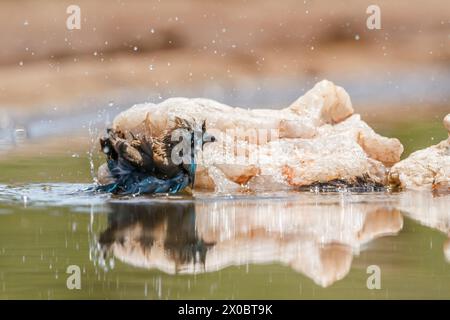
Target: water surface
(284, 245)
(267, 246)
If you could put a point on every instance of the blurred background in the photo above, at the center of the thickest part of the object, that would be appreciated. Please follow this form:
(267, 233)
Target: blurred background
(59, 88)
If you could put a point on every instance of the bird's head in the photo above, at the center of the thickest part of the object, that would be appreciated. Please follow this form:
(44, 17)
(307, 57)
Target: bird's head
(193, 136)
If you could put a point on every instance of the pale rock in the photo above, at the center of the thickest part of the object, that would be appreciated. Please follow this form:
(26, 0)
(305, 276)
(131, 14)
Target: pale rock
(425, 169)
(316, 139)
(447, 122)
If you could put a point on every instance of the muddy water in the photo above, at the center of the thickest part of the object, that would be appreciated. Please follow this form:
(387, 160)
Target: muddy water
(285, 245)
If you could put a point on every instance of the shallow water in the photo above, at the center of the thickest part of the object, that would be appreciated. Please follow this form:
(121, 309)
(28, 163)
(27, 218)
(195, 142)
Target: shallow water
(284, 245)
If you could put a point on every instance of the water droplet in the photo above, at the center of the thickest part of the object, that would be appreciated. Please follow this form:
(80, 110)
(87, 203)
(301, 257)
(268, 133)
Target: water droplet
(20, 135)
(25, 200)
(112, 263)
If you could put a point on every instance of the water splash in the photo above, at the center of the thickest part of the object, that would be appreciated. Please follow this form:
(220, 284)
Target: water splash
(93, 136)
(52, 194)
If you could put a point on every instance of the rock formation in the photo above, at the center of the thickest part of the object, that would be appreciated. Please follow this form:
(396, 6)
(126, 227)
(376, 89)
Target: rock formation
(316, 141)
(425, 169)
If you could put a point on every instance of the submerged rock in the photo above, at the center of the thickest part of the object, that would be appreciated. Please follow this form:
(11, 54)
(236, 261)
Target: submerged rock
(316, 140)
(425, 169)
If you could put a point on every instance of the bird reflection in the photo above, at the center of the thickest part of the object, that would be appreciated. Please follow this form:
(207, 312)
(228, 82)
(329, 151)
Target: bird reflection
(318, 241)
(140, 232)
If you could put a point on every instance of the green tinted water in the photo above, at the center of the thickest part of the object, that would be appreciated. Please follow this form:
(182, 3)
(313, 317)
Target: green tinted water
(277, 246)
(293, 246)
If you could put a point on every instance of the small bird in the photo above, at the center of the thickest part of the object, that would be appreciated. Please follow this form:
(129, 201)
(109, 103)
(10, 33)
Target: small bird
(163, 164)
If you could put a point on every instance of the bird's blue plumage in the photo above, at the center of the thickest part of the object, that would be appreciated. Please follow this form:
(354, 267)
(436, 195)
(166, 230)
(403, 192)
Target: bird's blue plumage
(139, 166)
(147, 185)
(130, 180)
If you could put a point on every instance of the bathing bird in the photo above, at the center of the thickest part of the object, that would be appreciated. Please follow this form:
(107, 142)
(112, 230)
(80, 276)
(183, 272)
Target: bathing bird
(162, 164)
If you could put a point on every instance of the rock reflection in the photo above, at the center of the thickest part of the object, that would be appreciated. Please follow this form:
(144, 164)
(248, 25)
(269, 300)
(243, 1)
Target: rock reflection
(431, 210)
(318, 240)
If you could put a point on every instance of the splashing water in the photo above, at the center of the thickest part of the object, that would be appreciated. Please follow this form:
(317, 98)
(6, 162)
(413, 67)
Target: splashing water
(52, 194)
(93, 136)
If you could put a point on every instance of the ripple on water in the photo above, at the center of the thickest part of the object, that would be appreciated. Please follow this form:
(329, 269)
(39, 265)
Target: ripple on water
(77, 194)
(55, 194)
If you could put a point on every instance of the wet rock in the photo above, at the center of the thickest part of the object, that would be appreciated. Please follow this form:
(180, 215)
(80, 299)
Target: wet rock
(425, 169)
(447, 122)
(317, 139)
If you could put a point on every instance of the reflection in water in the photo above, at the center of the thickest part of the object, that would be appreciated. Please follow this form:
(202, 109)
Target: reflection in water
(157, 235)
(315, 239)
(282, 236)
(430, 210)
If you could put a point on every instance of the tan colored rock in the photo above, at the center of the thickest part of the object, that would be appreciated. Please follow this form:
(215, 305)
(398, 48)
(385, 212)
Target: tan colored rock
(316, 139)
(239, 174)
(425, 169)
(386, 150)
(447, 122)
(325, 103)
